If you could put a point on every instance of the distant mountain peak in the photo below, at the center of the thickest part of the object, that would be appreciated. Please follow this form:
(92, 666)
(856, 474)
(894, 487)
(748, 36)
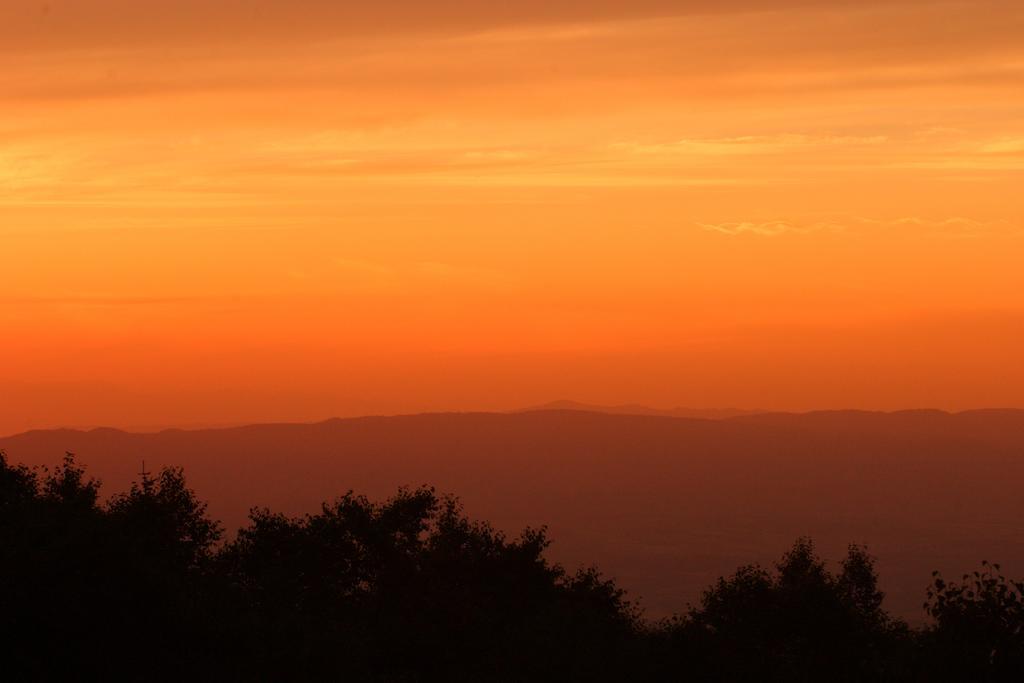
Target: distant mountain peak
(638, 409)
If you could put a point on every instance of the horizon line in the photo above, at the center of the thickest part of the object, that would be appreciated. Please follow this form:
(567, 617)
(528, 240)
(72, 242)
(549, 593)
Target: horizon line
(551, 407)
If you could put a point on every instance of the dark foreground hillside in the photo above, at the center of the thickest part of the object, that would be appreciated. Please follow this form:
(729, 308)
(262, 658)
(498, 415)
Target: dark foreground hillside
(142, 588)
(665, 505)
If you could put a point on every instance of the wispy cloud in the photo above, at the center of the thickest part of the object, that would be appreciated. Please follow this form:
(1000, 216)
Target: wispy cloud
(951, 225)
(1004, 146)
(769, 228)
(748, 144)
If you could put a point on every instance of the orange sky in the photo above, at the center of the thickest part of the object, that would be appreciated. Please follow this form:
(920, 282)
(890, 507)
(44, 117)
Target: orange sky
(288, 210)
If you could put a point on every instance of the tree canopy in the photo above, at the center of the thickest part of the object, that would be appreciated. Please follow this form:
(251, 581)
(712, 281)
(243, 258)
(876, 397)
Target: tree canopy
(144, 586)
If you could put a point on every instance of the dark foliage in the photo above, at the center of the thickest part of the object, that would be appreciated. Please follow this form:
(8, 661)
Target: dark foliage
(412, 590)
(798, 623)
(979, 627)
(141, 587)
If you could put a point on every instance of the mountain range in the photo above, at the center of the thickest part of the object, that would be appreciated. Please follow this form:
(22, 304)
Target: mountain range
(637, 409)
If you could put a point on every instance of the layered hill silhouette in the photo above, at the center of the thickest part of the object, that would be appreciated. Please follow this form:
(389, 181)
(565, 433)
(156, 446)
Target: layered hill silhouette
(637, 409)
(663, 504)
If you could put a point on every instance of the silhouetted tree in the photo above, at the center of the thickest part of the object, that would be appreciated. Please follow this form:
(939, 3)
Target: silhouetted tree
(165, 522)
(18, 484)
(410, 589)
(90, 591)
(48, 530)
(978, 633)
(799, 623)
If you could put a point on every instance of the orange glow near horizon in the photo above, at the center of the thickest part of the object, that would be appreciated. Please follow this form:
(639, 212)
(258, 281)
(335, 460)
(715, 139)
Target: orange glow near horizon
(293, 210)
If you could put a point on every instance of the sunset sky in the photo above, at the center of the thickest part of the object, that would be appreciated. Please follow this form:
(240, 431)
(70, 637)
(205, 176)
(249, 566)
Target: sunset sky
(241, 211)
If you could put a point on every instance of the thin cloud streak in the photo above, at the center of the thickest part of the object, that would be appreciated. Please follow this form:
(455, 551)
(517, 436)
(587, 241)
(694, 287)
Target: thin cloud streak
(950, 225)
